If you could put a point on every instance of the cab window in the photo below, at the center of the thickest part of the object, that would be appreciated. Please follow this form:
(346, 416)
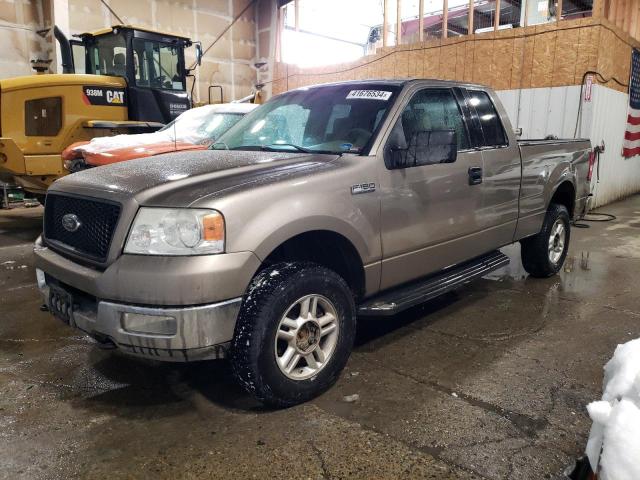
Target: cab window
(434, 109)
(157, 65)
(108, 56)
(492, 128)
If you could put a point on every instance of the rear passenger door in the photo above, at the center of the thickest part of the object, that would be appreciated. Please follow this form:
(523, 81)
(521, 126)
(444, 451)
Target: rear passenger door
(429, 212)
(501, 171)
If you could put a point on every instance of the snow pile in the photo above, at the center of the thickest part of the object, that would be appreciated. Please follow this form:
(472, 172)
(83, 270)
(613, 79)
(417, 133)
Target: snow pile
(614, 441)
(103, 144)
(193, 126)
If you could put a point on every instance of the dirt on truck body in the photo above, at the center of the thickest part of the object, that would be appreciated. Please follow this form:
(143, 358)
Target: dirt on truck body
(327, 202)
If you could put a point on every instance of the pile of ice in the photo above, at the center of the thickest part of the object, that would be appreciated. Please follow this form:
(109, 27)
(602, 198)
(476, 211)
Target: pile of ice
(614, 442)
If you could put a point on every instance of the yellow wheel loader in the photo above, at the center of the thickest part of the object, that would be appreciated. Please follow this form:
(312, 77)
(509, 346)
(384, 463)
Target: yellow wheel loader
(122, 79)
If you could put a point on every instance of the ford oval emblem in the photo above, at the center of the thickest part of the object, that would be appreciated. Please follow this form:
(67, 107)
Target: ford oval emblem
(71, 222)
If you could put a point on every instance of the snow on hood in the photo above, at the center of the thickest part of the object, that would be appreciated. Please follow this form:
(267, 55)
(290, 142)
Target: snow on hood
(193, 126)
(614, 440)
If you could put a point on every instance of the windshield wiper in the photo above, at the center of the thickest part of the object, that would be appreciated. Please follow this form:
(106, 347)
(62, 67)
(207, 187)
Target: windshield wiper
(213, 146)
(272, 147)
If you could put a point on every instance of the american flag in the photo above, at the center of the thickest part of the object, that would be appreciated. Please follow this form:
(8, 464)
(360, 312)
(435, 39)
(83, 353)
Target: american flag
(631, 144)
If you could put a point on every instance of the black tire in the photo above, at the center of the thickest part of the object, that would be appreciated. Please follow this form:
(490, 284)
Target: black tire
(253, 350)
(535, 250)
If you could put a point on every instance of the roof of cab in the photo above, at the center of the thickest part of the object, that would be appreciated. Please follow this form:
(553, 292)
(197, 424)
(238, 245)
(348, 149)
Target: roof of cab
(398, 82)
(106, 30)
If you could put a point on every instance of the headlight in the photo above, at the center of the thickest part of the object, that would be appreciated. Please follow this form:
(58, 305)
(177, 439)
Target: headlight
(176, 231)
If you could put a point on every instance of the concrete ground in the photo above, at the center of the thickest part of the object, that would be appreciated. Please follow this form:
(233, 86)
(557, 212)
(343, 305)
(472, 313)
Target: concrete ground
(488, 382)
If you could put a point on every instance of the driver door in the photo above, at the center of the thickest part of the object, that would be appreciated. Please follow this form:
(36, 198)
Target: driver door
(428, 212)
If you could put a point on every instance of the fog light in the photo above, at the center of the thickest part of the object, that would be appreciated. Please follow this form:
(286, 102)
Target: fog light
(42, 282)
(149, 324)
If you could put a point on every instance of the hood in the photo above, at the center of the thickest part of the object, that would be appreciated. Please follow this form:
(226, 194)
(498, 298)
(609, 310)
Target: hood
(181, 178)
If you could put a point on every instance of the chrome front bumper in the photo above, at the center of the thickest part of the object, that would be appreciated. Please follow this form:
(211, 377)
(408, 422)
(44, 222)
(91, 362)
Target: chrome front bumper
(171, 334)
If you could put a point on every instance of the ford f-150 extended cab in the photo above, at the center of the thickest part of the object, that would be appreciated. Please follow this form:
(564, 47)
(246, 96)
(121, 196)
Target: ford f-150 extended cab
(327, 202)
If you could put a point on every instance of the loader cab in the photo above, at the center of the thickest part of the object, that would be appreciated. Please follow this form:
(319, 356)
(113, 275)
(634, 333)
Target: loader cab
(152, 63)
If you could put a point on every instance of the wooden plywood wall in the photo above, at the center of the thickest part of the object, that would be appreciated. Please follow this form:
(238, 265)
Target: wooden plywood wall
(550, 55)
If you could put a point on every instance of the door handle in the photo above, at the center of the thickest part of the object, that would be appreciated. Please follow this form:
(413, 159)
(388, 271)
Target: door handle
(475, 175)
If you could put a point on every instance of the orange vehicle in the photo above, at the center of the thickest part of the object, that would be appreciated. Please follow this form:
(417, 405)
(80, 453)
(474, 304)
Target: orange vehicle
(195, 129)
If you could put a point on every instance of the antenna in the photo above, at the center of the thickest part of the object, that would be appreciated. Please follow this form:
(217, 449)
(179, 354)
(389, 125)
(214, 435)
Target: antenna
(175, 137)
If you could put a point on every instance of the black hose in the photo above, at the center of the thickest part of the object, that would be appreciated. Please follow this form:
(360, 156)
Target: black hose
(607, 218)
(598, 76)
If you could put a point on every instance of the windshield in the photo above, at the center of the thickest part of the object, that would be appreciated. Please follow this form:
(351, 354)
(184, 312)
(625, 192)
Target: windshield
(200, 125)
(332, 118)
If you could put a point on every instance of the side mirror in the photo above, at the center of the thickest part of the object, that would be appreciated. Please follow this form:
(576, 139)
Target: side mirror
(199, 53)
(427, 147)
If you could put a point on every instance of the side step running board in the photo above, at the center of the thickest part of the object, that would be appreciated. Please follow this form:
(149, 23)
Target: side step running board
(409, 295)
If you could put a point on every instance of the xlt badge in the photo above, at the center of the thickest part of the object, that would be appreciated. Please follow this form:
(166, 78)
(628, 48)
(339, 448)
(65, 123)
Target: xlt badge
(362, 188)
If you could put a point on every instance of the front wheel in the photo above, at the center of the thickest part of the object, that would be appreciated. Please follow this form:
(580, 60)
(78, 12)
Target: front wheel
(294, 333)
(543, 254)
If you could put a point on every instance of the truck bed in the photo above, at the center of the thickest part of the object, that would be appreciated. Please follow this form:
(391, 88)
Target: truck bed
(540, 159)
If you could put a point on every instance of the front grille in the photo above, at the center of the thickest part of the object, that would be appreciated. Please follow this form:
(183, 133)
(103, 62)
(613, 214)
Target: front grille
(97, 222)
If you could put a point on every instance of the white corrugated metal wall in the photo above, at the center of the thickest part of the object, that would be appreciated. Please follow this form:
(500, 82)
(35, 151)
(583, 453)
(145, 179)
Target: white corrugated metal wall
(553, 111)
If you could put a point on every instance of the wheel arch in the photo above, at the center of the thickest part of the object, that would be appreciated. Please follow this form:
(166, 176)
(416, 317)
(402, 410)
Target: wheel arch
(565, 194)
(325, 247)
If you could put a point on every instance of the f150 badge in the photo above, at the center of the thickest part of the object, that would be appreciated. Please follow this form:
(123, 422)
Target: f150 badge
(362, 188)
(104, 96)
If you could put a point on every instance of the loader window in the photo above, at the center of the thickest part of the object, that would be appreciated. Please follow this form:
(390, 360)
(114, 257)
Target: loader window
(43, 117)
(158, 65)
(108, 55)
(79, 57)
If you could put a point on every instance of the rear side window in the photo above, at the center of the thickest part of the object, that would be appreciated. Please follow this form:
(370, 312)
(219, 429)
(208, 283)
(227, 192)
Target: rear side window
(492, 129)
(43, 117)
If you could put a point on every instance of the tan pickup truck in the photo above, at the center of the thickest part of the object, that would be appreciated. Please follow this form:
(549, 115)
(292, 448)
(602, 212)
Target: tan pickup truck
(324, 204)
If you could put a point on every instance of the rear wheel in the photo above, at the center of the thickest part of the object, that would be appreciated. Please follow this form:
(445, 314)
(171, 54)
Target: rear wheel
(543, 254)
(294, 333)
